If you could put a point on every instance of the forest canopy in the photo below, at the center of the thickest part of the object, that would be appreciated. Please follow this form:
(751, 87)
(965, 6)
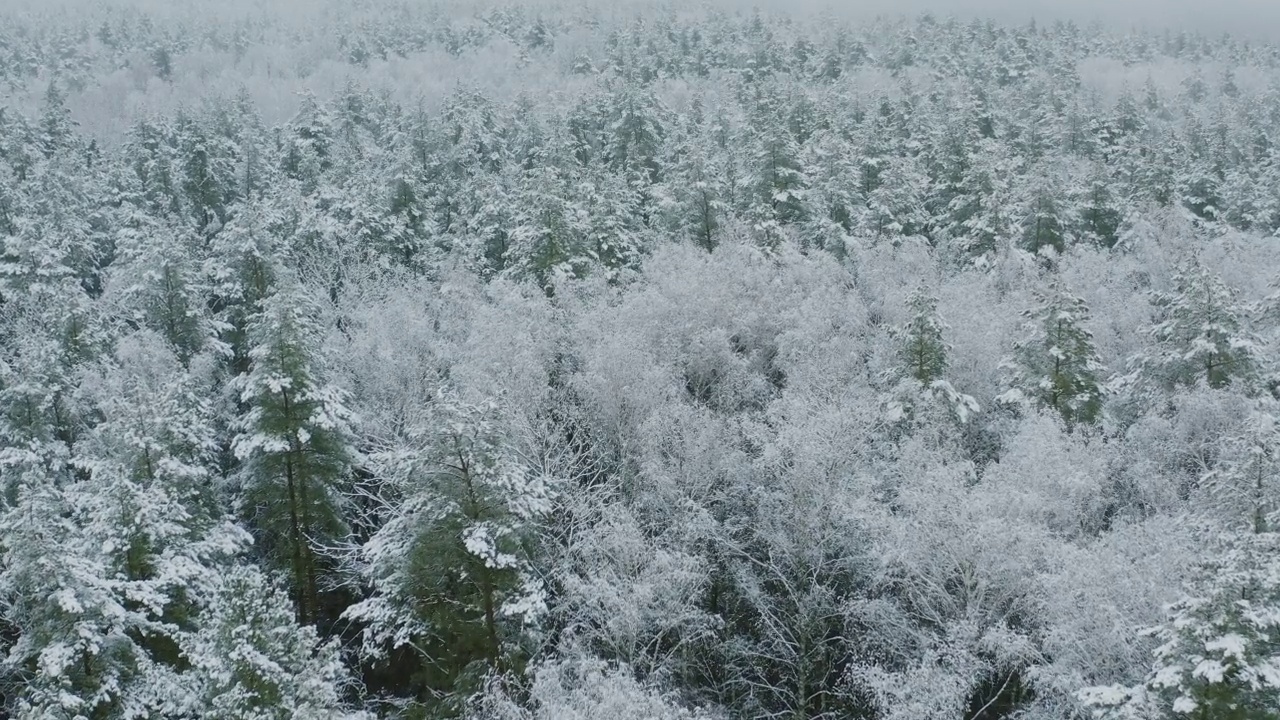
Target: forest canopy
(518, 362)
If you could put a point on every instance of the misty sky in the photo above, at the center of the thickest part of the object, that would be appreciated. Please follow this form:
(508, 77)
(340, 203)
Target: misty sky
(1247, 17)
(1256, 18)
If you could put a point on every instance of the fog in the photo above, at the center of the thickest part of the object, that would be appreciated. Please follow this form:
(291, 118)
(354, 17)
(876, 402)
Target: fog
(1250, 18)
(1254, 18)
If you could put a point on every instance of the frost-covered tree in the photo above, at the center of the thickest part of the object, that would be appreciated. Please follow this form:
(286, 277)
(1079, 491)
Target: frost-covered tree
(1220, 646)
(1245, 487)
(922, 350)
(1202, 335)
(1057, 366)
(160, 283)
(452, 567)
(250, 660)
(294, 443)
(75, 653)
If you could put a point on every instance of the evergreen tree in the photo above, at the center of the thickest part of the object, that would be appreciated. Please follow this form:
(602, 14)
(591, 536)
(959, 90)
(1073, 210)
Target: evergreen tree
(243, 267)
(978, 218)
(922, 351)
(1043, 224)
(1056, 365)
(777, 180)
(451, 568)
(207, 173)
(251, 660)
(74, 654)
(1201, 336)
(691, 202)
(163, 287)
(294, 442)
(544, 242)
(1220, 645)
(1098, 215)
(57, 129)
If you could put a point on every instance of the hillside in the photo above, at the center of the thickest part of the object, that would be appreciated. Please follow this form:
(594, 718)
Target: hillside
(518, 362)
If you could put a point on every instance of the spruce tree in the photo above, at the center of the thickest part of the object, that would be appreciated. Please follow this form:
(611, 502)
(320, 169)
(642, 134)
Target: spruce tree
(294, 444)
(1219, 644)
(1056, 365)
(252, 661)
(1201, 336)
(921, 350)
(451, 569)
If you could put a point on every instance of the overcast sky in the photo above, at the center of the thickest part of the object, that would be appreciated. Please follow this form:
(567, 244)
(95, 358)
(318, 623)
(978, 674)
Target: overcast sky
(1246, 17)
(1257, 18)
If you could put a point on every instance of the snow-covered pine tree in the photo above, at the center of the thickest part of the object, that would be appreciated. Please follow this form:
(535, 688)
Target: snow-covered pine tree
(250, 659)
(1220, 651)
(73, 650)
(922, 350)
(1201, 336)
(451, 569)
(1057, 366)
(294, 442)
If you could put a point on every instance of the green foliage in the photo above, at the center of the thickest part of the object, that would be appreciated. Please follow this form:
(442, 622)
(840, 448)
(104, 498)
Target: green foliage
(251, 661)
(1057, 366)
(1220, 651)
(294, 443)
(921, 350)
(452, 567)
(1201, 337)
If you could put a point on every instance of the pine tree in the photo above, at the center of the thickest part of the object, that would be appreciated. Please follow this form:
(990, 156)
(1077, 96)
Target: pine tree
(57, 129)
(1056, 365)
(1201, 336)
(777, 180)
(74, 654)
(544, 242)
(243, 267)
(294, 442)
(207, 173)
(896, 207)
(1043, 224)
(151, 469)
(978, 218)
(163, 288)
(922, 351)
(691, 204)
(451, 568)
(1220, 645)
(1099, 215)
(251, 660)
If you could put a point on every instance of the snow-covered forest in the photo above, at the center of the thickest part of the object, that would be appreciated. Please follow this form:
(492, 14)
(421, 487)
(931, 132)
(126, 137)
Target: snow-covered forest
(572, 362)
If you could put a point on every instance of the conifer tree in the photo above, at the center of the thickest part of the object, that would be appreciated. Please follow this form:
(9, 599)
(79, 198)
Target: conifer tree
(163, 287)
(1043, 225)
(74, 654)
(252, 661)
(451, 568)
(1098, 215)
(243, 267)
(1219, 645)
(1201, 336)
(294, 442)
(922, 350)
(1056, 365)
